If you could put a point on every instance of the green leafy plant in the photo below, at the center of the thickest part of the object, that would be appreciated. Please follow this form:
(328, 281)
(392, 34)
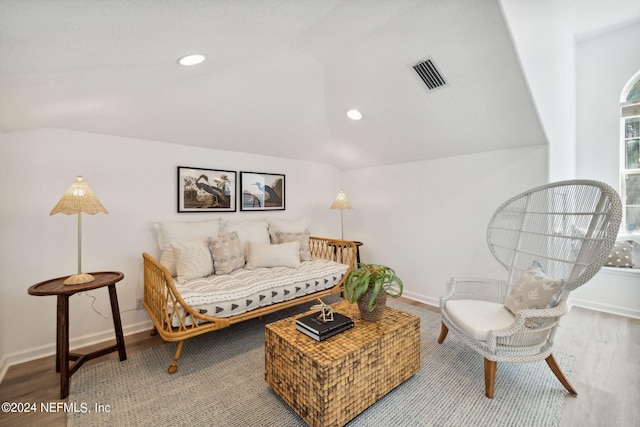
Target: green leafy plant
(378, 278)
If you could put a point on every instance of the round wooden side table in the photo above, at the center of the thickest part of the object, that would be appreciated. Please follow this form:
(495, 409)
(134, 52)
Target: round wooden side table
(63, 292)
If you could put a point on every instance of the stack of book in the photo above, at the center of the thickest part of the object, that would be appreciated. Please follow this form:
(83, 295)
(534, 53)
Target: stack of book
(319, 330)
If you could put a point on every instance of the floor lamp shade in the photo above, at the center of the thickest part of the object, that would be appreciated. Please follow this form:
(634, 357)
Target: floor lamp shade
(341, 202)
(79, 199)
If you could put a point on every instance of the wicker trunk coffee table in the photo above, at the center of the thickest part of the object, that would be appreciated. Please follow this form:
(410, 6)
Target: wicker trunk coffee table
(329, 383)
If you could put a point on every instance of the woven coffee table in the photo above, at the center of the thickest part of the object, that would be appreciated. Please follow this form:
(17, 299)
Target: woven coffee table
(329, 383)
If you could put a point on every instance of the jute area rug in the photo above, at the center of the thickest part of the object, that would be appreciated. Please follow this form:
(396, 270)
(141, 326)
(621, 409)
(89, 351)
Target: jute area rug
(220, 382)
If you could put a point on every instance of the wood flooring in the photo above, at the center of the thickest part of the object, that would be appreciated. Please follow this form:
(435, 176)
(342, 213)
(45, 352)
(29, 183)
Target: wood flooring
(606, 373)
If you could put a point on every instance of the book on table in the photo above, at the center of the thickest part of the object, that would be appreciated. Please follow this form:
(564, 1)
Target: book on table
(320, 330)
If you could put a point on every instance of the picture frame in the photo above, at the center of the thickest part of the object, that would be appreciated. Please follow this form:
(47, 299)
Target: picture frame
(206, 190)
(262, 191)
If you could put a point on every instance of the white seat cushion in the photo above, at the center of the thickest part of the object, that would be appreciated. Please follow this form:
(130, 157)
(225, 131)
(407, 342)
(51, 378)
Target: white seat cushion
(477, 318)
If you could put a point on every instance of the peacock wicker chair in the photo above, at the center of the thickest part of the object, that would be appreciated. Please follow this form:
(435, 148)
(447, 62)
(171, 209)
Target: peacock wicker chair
(568, 229)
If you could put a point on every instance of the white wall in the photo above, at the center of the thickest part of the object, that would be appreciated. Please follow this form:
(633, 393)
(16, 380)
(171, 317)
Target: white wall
(428, 219)
(604, 66)
(546, 49)
(136, 181)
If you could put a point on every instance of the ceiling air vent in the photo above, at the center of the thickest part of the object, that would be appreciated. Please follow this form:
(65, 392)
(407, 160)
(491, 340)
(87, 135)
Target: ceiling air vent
(429, 74)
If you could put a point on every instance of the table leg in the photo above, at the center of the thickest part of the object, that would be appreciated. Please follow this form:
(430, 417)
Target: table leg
(117, 324)
(62, 344)
(58, 334)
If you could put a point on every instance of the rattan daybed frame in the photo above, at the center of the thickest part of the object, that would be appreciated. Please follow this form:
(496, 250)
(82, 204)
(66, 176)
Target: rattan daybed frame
(164, 303)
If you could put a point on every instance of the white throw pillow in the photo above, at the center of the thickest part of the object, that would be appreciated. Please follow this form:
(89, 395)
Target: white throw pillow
(302, 238)
(286, 230)
(289, 225)
(179, 231)
(267, 255)
(193, 259)
(256, 230)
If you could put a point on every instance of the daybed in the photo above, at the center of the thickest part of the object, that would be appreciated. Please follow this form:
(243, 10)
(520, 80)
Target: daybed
(212, 274)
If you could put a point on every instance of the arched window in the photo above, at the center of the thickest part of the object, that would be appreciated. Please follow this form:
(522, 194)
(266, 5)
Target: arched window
(630, 162)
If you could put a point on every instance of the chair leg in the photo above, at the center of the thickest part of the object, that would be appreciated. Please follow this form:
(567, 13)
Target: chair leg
(490, 367)
(551, 361)
(174, 364)
(443, 333)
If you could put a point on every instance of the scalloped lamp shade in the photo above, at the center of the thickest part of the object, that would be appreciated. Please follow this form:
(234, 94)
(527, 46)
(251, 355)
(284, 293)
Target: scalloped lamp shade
(341, 202)
(79, 199)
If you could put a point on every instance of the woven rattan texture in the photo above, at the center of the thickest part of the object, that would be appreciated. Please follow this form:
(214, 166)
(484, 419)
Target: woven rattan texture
(569, 227)
(163, 302)
(328, 383)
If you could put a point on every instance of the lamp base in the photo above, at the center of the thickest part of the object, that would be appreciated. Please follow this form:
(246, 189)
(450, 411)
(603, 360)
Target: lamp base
(78, 279)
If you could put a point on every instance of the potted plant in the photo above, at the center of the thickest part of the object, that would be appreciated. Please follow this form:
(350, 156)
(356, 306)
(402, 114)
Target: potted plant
(369, 285)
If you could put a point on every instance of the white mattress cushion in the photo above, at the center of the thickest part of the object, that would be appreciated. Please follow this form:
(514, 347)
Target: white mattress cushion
(243, 290)
(477, 318)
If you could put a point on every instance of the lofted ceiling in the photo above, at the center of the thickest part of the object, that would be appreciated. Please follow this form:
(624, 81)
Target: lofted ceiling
(279, 75)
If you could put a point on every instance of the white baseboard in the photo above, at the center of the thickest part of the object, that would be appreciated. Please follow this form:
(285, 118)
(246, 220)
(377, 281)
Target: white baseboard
(50, 349)
(606, 308)
(425, 299)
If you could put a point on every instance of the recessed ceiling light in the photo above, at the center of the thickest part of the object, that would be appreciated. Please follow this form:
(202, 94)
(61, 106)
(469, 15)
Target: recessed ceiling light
(354, 114)
(193, 59)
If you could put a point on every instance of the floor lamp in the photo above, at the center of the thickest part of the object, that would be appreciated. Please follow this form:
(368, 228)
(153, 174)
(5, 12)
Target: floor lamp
(79, 199)
(341, 202)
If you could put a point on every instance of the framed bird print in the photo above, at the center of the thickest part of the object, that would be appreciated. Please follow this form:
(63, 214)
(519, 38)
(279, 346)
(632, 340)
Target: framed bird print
(206, 190)
(262, 191)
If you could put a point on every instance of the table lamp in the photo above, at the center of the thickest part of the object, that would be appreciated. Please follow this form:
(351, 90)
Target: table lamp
(341, 202)
(79, 199)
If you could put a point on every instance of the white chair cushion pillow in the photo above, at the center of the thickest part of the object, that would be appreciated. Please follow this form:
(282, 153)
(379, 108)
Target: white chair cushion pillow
(476, 318)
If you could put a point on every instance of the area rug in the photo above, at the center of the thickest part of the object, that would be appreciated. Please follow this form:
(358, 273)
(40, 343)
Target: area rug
(220, 382)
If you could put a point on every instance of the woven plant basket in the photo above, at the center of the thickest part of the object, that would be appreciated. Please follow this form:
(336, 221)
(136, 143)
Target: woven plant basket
(376, 314)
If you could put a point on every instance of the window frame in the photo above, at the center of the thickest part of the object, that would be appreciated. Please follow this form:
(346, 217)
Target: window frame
(629, 109)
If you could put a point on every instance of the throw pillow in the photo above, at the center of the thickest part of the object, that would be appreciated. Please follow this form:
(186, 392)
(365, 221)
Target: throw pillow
(289, 225)
(227, 253)
(286, 230)
(193, 259)
(534, 290)
(622, 254)
(256, 230)
(266, 255)
(179, 231)
(302, 238)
